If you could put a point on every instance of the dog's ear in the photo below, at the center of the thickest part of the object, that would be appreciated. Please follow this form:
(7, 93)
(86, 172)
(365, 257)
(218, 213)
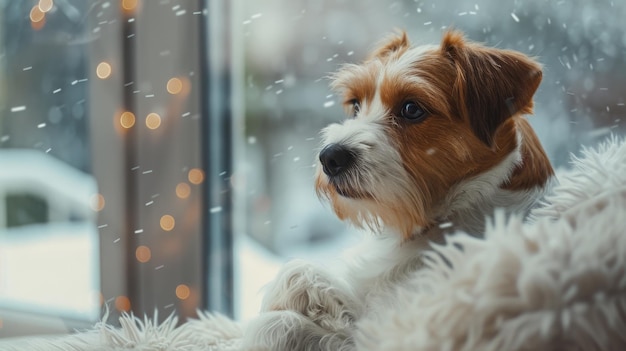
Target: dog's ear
(491, 84)
(396, 42)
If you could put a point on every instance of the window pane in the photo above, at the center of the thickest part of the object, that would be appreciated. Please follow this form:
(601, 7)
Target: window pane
(44, 80)
(48, 239)
(289, 48)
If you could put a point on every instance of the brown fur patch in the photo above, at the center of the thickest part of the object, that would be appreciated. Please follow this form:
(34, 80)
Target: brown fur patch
(535, 168)
(393, 45)
(356, 83)
(492, 84)
(440, 153)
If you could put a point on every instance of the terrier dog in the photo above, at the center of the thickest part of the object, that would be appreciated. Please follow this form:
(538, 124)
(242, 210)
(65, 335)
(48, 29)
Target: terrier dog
(436, 140)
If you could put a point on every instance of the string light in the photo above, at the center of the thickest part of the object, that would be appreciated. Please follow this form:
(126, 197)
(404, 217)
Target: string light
(167, 223)
(195, 176)
(45, 5)
(182, 291)
(153, 121)
(122, 303)
(143, 254)
(103, 70)
(127, 119)
(183, 190)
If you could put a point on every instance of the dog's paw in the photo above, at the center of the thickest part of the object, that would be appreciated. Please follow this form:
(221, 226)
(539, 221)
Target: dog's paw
(313, 292)
(289, 330)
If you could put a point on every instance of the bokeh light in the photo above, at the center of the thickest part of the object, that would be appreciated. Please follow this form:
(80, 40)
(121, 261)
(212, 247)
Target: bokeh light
(103, 70)
(143, 254)
(129, 5)
(174, 86)
(122, 303)
(183, 190)
(195, 176)
(45, 5)
(167, 222)
(182, 291)
(37, 18)
(97, 202)
(153, 121)
(127, 119)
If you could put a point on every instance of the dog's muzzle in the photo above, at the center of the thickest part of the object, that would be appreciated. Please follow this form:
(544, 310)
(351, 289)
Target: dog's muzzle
(336, 159)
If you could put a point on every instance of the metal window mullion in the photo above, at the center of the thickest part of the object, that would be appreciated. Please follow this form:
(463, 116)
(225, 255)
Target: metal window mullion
(129, 188)
(217, 153)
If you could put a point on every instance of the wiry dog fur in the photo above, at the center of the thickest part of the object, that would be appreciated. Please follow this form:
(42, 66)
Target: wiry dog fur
(436, 140)
(558, 283)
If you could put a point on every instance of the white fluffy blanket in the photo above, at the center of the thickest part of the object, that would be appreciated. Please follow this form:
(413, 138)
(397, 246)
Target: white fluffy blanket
(555, 283)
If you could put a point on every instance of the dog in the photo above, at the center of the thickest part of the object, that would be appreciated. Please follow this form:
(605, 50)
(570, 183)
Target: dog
(435, 141)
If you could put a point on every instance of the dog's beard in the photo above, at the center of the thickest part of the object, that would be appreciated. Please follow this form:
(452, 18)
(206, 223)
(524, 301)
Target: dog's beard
(351, 185)
(376, 190)
(371, 199)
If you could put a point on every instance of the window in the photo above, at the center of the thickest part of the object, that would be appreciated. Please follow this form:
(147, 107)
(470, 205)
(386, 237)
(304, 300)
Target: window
(159, 155)
(290, 47)
(48, 244)
(124, 127)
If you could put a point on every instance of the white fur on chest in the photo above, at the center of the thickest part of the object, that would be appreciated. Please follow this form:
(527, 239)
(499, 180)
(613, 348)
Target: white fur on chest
(374, 267)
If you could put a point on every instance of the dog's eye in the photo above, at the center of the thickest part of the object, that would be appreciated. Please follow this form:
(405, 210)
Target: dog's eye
(356, 107)
(412, 111)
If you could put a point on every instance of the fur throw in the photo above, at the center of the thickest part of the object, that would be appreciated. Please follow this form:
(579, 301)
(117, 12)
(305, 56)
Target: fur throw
(557, 282)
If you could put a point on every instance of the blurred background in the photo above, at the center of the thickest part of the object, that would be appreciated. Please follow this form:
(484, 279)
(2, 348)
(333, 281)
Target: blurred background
(158, 156)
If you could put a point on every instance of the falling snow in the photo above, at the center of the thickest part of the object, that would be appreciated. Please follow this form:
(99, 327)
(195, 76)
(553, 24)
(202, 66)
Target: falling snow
(583, 53)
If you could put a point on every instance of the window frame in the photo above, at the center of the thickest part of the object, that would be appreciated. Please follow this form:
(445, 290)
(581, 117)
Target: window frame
(205, 261)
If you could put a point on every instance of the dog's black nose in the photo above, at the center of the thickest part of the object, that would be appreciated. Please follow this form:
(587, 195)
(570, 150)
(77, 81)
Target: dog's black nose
(335, 159)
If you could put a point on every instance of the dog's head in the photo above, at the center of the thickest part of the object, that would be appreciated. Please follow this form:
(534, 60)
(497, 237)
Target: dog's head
(422, 120)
